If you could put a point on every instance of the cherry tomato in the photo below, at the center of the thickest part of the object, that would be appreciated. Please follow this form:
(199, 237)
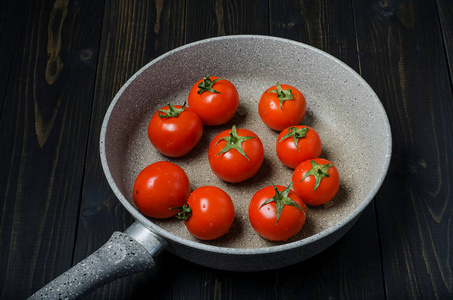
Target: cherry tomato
(282, 106)
(214, 99)
(159, 187)
(316, 181)
(296, 144)
(209, 213)
(175, 130)
(235, 154)
(277, 213)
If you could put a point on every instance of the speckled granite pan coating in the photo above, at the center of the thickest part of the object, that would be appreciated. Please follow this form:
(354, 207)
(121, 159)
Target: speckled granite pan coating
(123, 256)
(341, 106)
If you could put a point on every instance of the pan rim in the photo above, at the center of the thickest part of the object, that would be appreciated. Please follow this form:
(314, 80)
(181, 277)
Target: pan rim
(246, 251)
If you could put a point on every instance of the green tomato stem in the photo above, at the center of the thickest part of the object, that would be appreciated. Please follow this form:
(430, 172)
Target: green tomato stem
(185, 212)
(281, 199)
(206, 85)
(282, 95)
(319, 171)
(234, 141)
(296, 134)
(171, 112)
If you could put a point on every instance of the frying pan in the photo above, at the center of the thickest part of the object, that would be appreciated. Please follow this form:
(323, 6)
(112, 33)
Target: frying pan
(342, 108)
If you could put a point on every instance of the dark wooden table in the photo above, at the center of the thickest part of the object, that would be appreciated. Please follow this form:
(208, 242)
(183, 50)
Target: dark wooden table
(63, 61)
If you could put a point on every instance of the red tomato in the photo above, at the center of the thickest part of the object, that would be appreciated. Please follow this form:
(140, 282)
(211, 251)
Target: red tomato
(214, 99)
(316, 181)
(209, 213)
(235, 154)
(282, 106)
(159, 187)
(296, 144)
(277, 213)
(175, 130)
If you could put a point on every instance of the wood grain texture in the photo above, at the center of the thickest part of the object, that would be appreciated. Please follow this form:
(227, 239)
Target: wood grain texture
(198, 282)
(402, 56)
(9, 30)
(445, 10)
(133, 33)
(44, 143)
(322, 24)
(213, 18)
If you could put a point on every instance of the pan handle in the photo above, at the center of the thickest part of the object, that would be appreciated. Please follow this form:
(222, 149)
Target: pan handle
(124, 254)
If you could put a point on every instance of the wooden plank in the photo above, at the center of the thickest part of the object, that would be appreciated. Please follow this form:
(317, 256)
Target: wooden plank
(10, 12)
(445, 10)
(351, 268)
(200, 282)
(213, 18)
(44, 139)
(403, 58)
(322, 24)
(133, 33)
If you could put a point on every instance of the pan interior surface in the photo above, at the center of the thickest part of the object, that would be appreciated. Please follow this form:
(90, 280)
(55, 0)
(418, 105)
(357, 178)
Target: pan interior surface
(342, 108)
